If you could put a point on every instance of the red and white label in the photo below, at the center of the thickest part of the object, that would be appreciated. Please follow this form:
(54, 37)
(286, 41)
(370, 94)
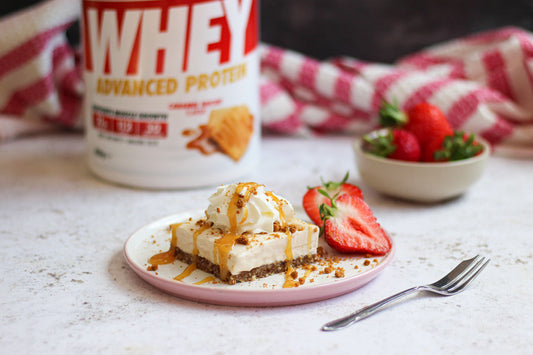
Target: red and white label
(154, 69)
(166, 37)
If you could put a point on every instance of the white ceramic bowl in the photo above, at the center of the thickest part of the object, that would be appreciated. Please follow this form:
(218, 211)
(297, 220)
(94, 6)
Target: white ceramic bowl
(421, 182)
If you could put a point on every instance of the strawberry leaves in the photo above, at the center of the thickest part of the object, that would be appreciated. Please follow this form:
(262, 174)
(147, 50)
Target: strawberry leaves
(315, 197)
(390, 115)
(332, 185)
(457, 147)
(382, 145)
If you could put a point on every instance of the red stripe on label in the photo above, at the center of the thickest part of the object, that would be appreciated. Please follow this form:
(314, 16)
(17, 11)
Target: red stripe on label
(129, 127)
(120, 9)
(187, 41)
(153, 129)
(102, 122)
(126, 127)
(160, 65)
(133, 64)
(223, 45)
(252, 37)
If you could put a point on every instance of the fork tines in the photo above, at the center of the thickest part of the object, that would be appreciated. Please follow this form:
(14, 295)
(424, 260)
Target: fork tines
(477, 264)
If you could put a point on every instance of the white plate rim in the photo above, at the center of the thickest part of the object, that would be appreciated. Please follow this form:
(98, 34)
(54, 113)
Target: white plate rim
(247, 297)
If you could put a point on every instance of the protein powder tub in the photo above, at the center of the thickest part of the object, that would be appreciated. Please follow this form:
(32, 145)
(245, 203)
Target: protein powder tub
(172, 91)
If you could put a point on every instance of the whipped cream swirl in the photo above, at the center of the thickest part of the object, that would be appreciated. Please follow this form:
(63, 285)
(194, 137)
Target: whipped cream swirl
(247, 207)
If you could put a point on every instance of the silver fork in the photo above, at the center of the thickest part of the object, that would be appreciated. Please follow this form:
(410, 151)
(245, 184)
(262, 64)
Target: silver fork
(454, 282)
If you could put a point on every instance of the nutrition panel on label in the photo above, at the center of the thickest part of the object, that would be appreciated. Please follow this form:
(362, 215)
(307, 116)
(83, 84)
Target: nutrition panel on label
(141, 125)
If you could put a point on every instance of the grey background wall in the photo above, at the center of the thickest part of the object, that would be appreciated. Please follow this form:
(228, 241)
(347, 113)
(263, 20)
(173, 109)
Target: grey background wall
(382, 30)
(372, 30)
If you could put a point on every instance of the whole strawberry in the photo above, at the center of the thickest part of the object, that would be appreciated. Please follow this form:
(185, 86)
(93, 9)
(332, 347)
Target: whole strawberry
(432, 147)
(396, 144)
(318, 195)
(428, 124)
(426, 121)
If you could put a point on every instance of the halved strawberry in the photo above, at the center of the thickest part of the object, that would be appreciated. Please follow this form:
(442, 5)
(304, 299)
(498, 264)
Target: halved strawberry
(350, 227)
(313, 198)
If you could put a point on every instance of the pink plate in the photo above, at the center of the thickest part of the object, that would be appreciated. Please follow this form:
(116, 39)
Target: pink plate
(155, 237)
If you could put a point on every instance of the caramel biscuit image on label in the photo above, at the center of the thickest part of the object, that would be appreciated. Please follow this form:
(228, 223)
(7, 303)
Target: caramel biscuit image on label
(228, 131)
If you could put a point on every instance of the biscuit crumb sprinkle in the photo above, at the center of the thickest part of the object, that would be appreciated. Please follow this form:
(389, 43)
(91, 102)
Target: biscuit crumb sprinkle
(242, 240)
(339, 273)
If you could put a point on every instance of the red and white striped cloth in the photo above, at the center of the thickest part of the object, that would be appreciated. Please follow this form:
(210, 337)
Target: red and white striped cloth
(40, 81)
(484, 83)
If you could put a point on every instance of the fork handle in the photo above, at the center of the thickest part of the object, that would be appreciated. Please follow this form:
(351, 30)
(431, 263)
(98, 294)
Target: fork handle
(367, 311)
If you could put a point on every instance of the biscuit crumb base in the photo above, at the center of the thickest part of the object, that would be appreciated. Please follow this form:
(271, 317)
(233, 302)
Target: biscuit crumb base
(256, 273)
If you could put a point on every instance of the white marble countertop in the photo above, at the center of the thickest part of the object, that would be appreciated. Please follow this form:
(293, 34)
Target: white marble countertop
(66, 288)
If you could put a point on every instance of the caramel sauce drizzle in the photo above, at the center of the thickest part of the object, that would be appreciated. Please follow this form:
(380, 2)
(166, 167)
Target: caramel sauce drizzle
(309, 238)
(168, 256)
(205, 280)
(195, 238)
(289, 280)
(163, 258)
(225, 243)
(186, 272)
(244, 215)
(274, 198)
(288, 248)
(223, 246)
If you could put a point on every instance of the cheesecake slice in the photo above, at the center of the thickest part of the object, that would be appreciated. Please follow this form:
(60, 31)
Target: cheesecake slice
(244, 257)
(246, 233)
